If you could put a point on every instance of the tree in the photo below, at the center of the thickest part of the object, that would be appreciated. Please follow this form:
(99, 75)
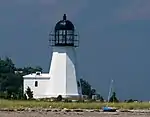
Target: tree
(6, 66)
(59, 98)
(78, 83)
(29, 70)
(86, 88)
(113, 98)
(10, 65)
(99, 97)
(130, 100)
(11, 83)
(38, 68)
(29, 93)
(93, 91)
(24, 97)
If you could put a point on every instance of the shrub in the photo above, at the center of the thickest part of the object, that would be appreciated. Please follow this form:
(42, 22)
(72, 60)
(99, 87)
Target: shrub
(29, 93)
(59, 98)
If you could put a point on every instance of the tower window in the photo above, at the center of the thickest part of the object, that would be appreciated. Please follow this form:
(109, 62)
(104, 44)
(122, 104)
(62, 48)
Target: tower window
(36, 83)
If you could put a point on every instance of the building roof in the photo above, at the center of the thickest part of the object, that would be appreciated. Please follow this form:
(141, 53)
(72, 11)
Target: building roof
(37, 75)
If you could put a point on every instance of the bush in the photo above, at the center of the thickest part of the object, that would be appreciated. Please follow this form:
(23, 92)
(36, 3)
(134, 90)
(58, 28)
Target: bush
(67, 100)
(59, 98)
(29, 93)
(113, 98)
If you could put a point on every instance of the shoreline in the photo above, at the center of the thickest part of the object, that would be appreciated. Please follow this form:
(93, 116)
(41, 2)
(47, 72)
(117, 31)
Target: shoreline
(72, 114)
(35, 112)
(73, 110)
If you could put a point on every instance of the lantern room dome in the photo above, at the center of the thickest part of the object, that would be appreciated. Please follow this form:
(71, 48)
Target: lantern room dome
(64, 24)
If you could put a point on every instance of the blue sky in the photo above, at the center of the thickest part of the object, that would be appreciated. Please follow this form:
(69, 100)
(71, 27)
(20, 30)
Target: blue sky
(114, 39)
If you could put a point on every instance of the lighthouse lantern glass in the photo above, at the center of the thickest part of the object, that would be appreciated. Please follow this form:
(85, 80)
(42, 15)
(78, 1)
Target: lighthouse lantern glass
(64, 34)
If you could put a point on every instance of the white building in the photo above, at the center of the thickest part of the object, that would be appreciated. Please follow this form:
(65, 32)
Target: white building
(62, 76)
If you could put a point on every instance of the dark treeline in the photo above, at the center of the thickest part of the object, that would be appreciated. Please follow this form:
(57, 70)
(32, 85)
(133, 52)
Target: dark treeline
(11, 82)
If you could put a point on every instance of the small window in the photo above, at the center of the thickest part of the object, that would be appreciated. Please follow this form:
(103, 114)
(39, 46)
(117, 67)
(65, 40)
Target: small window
(36, 83)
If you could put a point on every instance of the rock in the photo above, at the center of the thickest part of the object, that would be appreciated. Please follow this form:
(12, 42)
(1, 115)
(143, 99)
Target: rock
(124, 110)
(3, 109)
(11, 110)
(48, 110)
(56, 110)
(89, 110)
(97, 110)
(20, 109)
(66, 110)
(140, 111)
(78, 110)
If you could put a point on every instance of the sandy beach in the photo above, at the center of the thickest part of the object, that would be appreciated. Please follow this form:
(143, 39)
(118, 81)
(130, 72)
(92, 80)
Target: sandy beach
(71, 114)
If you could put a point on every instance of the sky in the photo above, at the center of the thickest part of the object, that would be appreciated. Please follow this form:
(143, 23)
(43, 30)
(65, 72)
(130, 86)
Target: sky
(114, 40)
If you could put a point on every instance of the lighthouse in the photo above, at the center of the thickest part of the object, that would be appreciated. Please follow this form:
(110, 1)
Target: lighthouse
(62, 76)
(63, 69)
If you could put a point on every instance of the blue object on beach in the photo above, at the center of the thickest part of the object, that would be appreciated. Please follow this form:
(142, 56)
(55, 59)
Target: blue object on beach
(109, 109)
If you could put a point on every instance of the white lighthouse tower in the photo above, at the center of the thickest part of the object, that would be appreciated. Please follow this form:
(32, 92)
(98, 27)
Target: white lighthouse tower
(62, 76)
(63, 70)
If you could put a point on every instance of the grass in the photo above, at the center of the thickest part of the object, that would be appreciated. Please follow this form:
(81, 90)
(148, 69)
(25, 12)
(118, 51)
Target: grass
(16, 104)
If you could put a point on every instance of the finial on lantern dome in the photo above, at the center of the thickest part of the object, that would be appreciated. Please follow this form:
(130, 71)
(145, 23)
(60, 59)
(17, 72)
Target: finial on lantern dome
(64, 17)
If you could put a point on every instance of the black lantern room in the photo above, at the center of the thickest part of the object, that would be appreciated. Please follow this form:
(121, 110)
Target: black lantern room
(64, 34)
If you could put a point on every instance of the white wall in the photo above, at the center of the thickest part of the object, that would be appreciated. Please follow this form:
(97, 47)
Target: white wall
(63, 72)
(41, 90)
(71, 75)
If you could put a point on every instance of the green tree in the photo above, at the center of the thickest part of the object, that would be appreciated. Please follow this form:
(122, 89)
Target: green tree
(10, 65)
(78, 83)
(11, 83)
(29, 70)
(100, 98)
(6, 66)
(59, 98)
(93, 91)
(29, 93)
(113, 98)
(86, 88)
(38, 68)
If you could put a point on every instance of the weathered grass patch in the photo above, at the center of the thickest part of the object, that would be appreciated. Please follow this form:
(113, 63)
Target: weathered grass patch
(15, 104)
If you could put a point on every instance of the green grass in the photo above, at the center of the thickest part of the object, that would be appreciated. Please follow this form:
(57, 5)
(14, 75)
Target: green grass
(15, 104)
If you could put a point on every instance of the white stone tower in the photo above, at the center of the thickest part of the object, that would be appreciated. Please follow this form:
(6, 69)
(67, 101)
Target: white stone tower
(63, 72)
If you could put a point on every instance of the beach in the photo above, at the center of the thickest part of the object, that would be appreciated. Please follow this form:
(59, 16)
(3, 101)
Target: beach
(71, 114)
